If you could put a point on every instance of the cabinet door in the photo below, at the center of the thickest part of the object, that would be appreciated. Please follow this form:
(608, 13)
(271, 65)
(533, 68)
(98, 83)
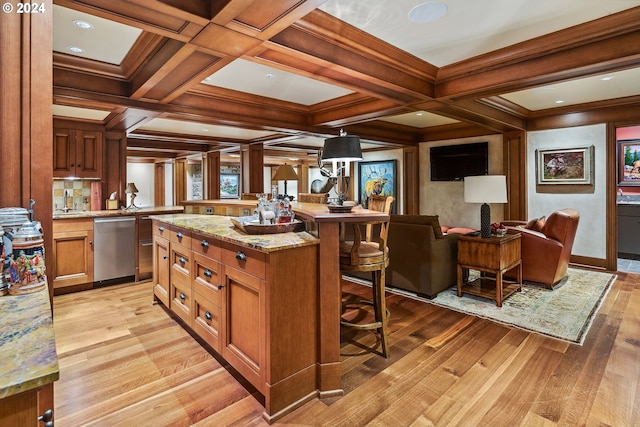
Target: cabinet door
(72, 258)
(244, 320)
(161, 266)
(64, 152)
(629, 234)
(88, 154)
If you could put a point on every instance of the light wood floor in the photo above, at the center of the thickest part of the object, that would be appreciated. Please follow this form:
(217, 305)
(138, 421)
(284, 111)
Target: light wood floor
(125, 362)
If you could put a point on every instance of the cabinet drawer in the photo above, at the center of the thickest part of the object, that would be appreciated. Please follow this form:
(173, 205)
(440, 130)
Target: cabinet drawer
(181, 301)
(180, 262)
(206, 320)
(206, 246)
(207, 278)
(160, 229)
(244, 259)
(180, 236)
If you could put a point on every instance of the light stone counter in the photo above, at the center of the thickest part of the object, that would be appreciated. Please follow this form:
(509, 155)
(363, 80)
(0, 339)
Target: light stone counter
(117, 212)
(221, 227)
(28, 359)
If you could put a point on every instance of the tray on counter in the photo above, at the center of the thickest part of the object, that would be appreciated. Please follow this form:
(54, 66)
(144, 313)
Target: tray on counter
(251, 225)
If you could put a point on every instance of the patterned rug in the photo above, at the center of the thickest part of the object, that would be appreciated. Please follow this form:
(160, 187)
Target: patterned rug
(566, 312)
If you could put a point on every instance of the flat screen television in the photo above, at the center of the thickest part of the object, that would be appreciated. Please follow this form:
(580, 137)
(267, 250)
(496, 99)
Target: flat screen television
(454, 162)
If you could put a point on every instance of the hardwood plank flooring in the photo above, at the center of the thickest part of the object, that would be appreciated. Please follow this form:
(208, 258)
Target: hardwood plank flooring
(127, 362)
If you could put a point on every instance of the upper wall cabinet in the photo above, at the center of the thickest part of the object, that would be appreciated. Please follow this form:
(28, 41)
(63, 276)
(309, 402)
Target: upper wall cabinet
(77, 153)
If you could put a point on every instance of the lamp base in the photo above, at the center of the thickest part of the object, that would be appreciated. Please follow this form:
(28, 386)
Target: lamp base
(485, 220)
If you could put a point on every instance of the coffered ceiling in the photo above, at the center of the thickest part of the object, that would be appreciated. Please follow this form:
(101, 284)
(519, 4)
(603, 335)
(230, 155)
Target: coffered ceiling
(183, 77)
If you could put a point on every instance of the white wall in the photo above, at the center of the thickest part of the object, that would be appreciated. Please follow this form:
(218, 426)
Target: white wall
(168, 184)
(142, 174)
(591, 236)
(446, 199)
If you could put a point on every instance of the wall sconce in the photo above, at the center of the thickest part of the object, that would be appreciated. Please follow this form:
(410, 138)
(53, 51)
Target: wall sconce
(285, 173)
(132, 190)
(340, 151)
(485, 189)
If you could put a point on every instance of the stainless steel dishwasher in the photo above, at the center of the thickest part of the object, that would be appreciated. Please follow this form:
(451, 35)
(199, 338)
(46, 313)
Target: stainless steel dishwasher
(114, 254)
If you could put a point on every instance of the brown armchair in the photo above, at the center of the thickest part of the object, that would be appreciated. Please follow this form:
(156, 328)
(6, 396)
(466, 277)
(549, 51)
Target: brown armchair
(546, 245)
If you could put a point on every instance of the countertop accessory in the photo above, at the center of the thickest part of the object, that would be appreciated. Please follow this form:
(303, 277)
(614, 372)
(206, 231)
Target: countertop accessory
(133, 191)
(251, 225)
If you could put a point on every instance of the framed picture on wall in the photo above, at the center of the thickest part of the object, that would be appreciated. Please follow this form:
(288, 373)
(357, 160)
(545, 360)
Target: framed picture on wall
(379, 178)
(629, 162)
(565, 166)
(229, 185)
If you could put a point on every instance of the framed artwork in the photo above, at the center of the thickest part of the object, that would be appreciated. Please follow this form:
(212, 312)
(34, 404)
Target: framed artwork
(565, 166)
(629, 162)
(377, 178)
(229, 185)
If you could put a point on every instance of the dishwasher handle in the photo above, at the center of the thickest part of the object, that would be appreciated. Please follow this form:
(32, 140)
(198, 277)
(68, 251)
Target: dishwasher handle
(114, 219)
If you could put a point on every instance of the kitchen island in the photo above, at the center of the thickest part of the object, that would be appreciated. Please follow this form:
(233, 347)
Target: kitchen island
(324, 267)
(28, 360)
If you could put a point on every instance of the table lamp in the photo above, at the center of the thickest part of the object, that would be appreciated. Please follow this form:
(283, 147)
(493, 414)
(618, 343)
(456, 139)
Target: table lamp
(485, 189)
(132, 190)
(285, 173)
(340, 151)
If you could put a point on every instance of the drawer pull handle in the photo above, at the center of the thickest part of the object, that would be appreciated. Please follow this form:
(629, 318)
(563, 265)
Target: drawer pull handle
(204, 244)
(207, 315)
(240, 256)
(182, 260)
(179, 235)
(182, 296)
(207, 273)
(161, 228)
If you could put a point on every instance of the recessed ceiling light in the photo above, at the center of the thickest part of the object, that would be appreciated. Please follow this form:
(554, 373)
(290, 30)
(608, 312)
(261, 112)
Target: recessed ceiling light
(427, 12)
(607, 78)
(82, 24)
(75, 49)
(269, 75)
(419, 114)
(560, 101)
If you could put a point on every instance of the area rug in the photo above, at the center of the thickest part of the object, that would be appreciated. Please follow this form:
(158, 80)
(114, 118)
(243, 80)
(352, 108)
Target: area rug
(565, 313)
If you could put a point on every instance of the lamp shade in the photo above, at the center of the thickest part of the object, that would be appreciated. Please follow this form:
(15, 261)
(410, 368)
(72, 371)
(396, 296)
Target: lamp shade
(342, 148)
(285, 173)
(485, 189)
(131, 188)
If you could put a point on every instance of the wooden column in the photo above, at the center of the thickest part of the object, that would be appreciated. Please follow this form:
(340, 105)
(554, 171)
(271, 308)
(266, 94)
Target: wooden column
(180, 180)
(158, 184)
(26, 125)
(514, 155)
(411, 182)
(256, 168)
(212, 175)
(115, 167)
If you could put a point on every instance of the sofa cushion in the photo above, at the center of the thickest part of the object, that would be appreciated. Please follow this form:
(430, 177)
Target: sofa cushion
(431, 220)
(536, 224)
(445, 228)
(461, 230)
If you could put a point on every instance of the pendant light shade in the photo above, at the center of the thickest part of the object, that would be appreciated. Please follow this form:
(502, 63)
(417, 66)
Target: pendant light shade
(342, 148)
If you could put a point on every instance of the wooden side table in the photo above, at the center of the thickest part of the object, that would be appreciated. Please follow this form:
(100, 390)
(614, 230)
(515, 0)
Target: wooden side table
(493, 255)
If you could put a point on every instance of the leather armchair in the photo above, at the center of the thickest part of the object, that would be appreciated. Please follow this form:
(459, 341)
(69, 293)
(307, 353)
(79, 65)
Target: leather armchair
(546, 253)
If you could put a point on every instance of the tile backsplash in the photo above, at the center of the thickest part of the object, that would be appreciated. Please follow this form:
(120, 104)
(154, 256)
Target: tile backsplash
(78, 194)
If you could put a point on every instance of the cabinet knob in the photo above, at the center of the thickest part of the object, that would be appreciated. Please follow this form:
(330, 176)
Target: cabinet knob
(46, 418)
(179, 235)
(204, 244)
(220, 286)
(161, 228)
(165, 257)
(207, 273)
(79, 165)
(182, 260)
(240, 256)
(207, 315)
(91, 242)
(182, 296)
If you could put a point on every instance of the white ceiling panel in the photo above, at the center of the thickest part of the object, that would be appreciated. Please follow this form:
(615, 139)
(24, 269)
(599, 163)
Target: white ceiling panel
(193, 128)
(258, 79)
(80, 113)
(419, 119)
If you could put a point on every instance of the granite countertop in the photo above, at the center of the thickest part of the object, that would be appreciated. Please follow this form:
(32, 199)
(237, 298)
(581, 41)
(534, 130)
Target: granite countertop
(149, 210)
(221, 227)
(28, 359)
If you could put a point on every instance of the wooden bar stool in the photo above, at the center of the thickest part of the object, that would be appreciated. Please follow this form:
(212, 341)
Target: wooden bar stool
(367, 255)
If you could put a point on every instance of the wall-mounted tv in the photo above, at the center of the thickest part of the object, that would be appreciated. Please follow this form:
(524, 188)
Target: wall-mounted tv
(454, 162)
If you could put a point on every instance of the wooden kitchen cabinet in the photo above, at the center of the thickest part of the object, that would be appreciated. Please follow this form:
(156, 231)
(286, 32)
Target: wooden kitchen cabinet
(258, 310)
(77, 153)
(629, 231)
(72, 253)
